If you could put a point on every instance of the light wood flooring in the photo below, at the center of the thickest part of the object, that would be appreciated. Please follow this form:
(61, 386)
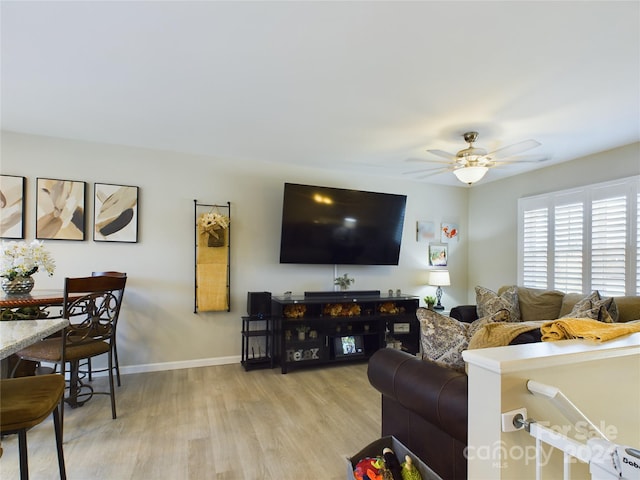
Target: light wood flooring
(212, 423)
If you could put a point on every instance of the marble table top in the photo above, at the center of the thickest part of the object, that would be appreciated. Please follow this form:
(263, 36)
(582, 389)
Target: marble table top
(18, 334)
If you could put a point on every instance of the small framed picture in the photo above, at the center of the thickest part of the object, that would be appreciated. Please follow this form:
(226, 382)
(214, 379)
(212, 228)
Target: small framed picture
(60, 209)
(438, 255)
(449, 232)
(425, 231)
(12, 190)
(115, 213)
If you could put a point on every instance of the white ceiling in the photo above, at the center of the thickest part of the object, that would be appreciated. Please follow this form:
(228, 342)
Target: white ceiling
(359, 86)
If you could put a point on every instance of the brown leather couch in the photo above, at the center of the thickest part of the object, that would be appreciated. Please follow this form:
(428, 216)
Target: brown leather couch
(424, 405)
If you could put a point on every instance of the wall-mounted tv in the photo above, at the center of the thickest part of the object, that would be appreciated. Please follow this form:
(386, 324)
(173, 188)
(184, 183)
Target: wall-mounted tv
(325, 225)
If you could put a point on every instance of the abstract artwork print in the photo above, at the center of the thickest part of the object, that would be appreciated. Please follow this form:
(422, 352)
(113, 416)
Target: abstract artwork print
(11, 206)
(60, 209)
(115, 213)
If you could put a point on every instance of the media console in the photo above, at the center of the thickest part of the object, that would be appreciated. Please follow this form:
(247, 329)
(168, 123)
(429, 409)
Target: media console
(329, 327)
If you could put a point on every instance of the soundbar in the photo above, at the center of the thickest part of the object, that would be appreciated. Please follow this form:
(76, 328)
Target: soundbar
(343, 294)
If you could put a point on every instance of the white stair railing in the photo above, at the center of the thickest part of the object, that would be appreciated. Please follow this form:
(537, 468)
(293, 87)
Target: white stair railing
(606, 460)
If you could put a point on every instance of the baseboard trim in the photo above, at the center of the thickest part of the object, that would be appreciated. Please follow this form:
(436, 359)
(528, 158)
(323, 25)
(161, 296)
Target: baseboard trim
(160, 367)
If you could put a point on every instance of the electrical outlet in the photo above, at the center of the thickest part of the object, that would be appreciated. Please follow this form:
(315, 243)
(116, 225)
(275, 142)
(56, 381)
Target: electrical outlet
(508, 417)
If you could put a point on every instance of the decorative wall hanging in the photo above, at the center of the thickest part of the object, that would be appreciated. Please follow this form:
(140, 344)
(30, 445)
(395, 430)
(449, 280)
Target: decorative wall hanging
(12, 206)
(60, 209)
(115, 213)
(449, 232)
(438, 255)
(212, 257)
(425, 231)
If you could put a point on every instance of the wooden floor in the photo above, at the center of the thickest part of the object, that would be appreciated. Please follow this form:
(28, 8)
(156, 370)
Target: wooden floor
(212, 423)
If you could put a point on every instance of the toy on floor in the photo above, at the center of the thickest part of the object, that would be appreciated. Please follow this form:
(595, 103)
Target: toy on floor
(409, 470)
(392, 464)
(369, 469)
(386, 467)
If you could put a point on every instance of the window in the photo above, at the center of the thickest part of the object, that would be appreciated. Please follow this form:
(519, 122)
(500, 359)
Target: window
(582, 239)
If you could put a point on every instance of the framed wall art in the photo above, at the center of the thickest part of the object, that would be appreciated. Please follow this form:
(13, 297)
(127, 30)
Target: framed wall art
(449, 232)
(115, 213)
(60, 209)
(12, 190)
(425, 231)
(438, 255)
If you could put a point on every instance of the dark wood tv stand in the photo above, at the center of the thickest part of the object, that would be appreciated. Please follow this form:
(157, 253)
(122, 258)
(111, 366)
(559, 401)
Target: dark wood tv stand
(309, 329)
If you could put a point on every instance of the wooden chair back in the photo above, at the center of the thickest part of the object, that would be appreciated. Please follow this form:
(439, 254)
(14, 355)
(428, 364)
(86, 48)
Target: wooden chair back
(92, 306)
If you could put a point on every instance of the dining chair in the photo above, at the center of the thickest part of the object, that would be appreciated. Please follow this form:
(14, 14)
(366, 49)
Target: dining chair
(116, 363)
(92, 305)
(26, 402)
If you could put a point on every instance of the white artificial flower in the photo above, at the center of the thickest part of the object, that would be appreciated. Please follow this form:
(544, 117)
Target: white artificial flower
(19, 259)
(212, 221)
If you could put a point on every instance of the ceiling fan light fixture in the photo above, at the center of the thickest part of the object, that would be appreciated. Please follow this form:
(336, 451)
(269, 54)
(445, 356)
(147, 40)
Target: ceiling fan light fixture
(470, 175)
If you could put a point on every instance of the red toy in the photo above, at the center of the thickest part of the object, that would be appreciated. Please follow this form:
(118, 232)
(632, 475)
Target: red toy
(369, 469)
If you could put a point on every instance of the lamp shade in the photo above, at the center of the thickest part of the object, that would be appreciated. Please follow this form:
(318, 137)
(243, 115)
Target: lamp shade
(470, 175)
(439, 278)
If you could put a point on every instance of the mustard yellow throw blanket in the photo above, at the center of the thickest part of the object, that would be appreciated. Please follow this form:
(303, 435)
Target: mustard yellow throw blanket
(586, 328)
(499, 334)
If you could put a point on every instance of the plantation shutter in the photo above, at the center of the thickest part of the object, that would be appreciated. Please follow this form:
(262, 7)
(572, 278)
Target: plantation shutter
(582, 239)
(569, 226)
(608, 245)
(535, 233)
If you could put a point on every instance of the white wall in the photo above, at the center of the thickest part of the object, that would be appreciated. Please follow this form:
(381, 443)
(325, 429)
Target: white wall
(158, 325)
(493, 209)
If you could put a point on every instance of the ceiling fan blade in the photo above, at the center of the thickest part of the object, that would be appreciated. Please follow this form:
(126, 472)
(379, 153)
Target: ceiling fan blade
(521, 159)
(424, 160)
(422, 170)
(514, 149)
(436, 172)
(443, 154)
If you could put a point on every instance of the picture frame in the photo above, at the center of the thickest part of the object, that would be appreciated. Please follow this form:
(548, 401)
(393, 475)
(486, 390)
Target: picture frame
(438, 255)
(449, 232)
(425, 231)
(115, 213)
(60, 209)
(12, 194)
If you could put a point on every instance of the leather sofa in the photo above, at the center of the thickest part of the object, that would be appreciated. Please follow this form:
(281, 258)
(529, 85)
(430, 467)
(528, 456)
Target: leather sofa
(424, 405)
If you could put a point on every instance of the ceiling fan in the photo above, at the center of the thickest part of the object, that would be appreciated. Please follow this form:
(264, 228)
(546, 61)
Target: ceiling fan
(470, 164)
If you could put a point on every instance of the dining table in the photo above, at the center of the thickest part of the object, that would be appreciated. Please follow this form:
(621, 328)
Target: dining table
(36, 304)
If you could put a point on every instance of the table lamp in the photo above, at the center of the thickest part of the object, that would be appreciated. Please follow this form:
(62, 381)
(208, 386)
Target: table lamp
(439, 278)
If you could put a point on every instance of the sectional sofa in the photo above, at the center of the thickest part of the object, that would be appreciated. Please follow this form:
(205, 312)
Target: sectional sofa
(424, 401)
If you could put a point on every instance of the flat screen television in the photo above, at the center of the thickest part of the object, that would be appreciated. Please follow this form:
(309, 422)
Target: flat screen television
(325, 225)
(348, 346)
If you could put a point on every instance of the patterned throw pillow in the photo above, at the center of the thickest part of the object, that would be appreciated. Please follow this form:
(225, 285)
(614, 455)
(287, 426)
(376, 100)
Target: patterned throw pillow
(444, 338)
(489, 302)
(595, 307)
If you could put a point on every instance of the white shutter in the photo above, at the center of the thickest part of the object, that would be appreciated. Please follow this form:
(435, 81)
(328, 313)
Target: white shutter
(608, 245)
(568, 238)
(582, 239)
(535, 241)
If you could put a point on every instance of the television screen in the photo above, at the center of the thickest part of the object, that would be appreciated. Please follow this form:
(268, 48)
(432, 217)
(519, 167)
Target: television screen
(349, 345)
(324, 225)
